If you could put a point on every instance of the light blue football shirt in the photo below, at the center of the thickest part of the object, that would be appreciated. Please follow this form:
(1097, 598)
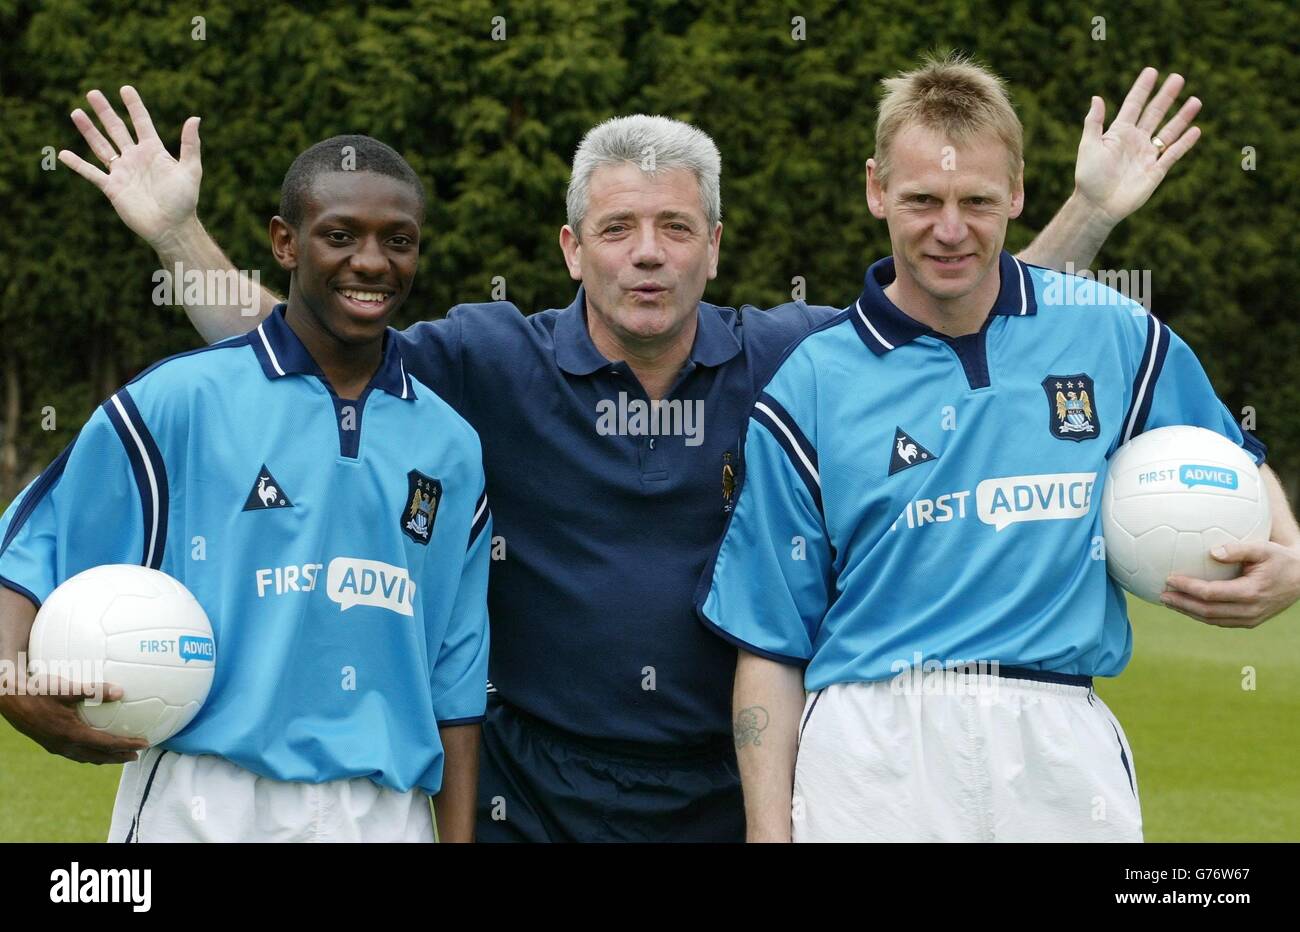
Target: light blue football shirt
(909, 498)
(340, 549)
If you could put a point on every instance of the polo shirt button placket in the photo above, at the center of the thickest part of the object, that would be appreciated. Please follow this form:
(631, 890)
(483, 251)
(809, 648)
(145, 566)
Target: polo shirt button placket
(654, 462)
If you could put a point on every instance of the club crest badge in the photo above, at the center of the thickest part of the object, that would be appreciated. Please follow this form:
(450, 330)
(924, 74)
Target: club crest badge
(423, 494)
(1072, 407)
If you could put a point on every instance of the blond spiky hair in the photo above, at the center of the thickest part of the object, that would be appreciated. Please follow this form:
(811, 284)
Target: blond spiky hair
(954, 96)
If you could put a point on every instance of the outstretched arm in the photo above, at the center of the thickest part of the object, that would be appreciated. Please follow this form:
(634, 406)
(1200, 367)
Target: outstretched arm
(157, 196)
(1116, 171)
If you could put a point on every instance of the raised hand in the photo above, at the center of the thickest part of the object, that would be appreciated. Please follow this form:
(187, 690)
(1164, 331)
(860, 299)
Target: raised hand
(152, 192)
(1117, 170)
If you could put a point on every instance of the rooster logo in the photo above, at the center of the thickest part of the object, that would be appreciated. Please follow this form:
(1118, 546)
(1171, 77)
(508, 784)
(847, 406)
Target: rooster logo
(266, 493)
(907, 452)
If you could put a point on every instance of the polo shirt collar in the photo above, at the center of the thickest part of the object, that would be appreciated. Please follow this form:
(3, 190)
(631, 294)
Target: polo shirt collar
(575, 353)
(281, 353)
(883, 325)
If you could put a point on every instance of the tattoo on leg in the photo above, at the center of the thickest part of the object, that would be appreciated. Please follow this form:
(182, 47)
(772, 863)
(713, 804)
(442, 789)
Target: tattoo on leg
(749, 725)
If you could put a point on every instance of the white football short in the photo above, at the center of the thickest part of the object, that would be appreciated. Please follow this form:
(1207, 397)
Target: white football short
(963, 757)
(165, 796)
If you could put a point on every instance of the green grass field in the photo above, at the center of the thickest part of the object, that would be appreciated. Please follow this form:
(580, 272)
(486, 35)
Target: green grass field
(1215, 762)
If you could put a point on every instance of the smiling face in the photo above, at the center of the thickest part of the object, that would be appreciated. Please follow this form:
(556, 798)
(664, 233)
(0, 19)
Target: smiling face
(353, 256)
(645, 253)
(947, 207)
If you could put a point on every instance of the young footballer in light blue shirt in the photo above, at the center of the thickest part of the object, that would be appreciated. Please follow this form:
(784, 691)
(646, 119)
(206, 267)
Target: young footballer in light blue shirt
(328, 511)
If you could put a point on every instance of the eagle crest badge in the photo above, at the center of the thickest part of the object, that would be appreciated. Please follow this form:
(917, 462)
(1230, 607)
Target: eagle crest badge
(423, 493)
(1072, 407)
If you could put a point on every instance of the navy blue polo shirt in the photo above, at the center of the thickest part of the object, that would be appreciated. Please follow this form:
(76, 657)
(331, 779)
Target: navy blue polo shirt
(606, 511)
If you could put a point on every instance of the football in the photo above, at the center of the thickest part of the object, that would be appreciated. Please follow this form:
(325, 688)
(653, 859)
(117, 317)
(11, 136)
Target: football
(1172, 495)
(138, 629)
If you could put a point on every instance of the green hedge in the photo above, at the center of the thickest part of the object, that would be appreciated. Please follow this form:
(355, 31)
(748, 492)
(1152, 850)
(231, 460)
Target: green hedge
(491, 126)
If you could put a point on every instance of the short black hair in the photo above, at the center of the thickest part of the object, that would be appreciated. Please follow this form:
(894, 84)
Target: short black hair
(366, 155)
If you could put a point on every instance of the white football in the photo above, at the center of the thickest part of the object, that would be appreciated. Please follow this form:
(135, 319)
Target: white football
(138, 629)
(1173, 494)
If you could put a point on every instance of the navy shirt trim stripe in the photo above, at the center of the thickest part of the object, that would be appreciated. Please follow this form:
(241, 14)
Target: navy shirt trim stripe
(453, 722)
(481, 515)
(744, 645)
(871, 336)
(44, 482)
(281, 353)
(150, 473)
(1254, 446)
(228, 343)
(782, 427)
(22, 591)
(349, 428)
(883, 326)
(1144, 382)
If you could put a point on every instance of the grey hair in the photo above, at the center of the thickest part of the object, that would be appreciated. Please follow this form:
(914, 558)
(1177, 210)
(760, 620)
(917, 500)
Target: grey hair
(654, 143)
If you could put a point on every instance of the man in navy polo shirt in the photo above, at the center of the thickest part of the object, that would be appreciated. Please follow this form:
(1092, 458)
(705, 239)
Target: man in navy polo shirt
(611, 716)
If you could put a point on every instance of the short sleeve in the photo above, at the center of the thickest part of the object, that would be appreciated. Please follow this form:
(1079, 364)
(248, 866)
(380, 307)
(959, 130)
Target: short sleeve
(1171, 388)
(98, 503)
(459, 678)
(768, 586)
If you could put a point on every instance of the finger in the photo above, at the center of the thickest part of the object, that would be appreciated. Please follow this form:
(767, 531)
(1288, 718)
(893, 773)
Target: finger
(1210, 612)
(1176, 151)
(1240, 589)
(110, 744)
(89, 755)
(1137, 96)
(83, 168)
(1174, 608)
(102, 148)
(1175, 128)
(1095, 121)
(190, 142)
(70, 693)
(1160, 104)
(1255, 551)
(117, 130)
(1251, 621)
(74, 731)
(140, 119)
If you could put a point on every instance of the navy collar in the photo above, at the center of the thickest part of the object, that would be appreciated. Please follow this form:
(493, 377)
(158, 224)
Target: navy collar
(883, 325)
(575, 353)
(281, 353)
